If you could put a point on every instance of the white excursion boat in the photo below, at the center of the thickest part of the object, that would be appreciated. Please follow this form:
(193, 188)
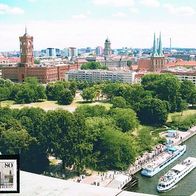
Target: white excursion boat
(175, 174)
(167, 157)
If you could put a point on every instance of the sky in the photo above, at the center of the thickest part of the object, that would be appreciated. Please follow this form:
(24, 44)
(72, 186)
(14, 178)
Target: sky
(87, 23)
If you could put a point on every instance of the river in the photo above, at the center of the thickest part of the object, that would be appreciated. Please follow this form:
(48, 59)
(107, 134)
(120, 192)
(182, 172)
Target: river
(186, 187)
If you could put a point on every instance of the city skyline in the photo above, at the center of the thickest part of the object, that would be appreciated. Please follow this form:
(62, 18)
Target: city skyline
(127, 23)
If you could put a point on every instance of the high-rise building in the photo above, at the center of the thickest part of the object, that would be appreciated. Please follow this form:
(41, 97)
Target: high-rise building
(73, 52)
(50, 52)
(99, 51)
(65, 52)
(107, 48)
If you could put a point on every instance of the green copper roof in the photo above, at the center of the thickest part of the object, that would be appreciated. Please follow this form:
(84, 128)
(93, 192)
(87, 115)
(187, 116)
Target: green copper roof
(154, 50)
(160, 49)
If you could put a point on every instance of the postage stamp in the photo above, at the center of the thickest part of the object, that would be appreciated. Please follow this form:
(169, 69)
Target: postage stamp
(9, 174)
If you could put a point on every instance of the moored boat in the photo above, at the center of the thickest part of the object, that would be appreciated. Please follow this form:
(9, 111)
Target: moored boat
(167, 157)
(174, 175)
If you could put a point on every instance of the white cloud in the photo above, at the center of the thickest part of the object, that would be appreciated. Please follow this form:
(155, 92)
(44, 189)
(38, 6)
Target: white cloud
(150, 3)
(120, 15)
(92, 33)
(5, 9)
(134, 10)
(82, 16)
(79, 16)
(180, 10)
(115, 3)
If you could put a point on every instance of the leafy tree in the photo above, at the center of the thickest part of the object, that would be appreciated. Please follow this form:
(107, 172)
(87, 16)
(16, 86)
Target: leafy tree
(32, 81)
(187, 88)
(192, 98)
(82, 84)
(29, 91)
(6, 83)
(136, 95)
(73, 87)
(116, 150)
(153, 111)
(150, 81)
(65, 97)
(181, 104)
(4, 93)
(91, 111)
(16, 87)
(144, 140)
(36, 61)
(60, 91)
(60, 126)
(165, 87)
(112, 149)
(115, 89)
(53, 90)
(118, 102)
(93, 65)
(34, 159)
(33, 119)
(40, 92)
(5, 89)
(82, 141)
(25, 95)
(13, 142)
(125, 118)
(88, 94)
(129, 63)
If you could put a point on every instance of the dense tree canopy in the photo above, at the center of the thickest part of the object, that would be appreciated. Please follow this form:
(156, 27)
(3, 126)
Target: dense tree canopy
(169, 88)
(61, 91)
(112, 149)
(92, 136)
(187, 90)
(93, 65)
(91, 111)
(118, 102)
(153, 111)
(89, 93)
(125, 118)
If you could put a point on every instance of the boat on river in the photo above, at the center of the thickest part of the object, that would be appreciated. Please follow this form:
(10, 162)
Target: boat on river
(174, 175)
(170, 154)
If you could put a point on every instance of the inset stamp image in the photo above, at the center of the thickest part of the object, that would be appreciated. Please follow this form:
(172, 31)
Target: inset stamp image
(9, 174)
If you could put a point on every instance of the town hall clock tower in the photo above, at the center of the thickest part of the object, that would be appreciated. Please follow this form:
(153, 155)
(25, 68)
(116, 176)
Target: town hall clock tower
(26, 50)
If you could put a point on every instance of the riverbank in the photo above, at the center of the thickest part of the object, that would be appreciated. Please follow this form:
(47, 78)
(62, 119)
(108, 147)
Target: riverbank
(147, 158)
(108, 178)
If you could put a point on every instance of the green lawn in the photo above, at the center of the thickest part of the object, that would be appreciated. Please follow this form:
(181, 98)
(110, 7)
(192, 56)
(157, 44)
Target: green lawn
(51, 105)
(7, 103)
(107, 105)
(181, 115)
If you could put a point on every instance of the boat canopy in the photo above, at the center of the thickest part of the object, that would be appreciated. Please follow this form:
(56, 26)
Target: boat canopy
(179, 167)
(171, 148)
(171, 131)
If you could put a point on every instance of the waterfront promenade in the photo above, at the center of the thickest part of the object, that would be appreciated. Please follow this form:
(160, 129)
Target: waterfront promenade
(118, 179)
(147, 158)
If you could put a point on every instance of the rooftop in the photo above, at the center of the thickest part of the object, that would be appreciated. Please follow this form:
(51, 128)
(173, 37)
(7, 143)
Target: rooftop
(39, 185)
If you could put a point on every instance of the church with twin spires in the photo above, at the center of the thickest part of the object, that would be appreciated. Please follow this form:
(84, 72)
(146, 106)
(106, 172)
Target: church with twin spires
(156, 61)
(157, 57)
